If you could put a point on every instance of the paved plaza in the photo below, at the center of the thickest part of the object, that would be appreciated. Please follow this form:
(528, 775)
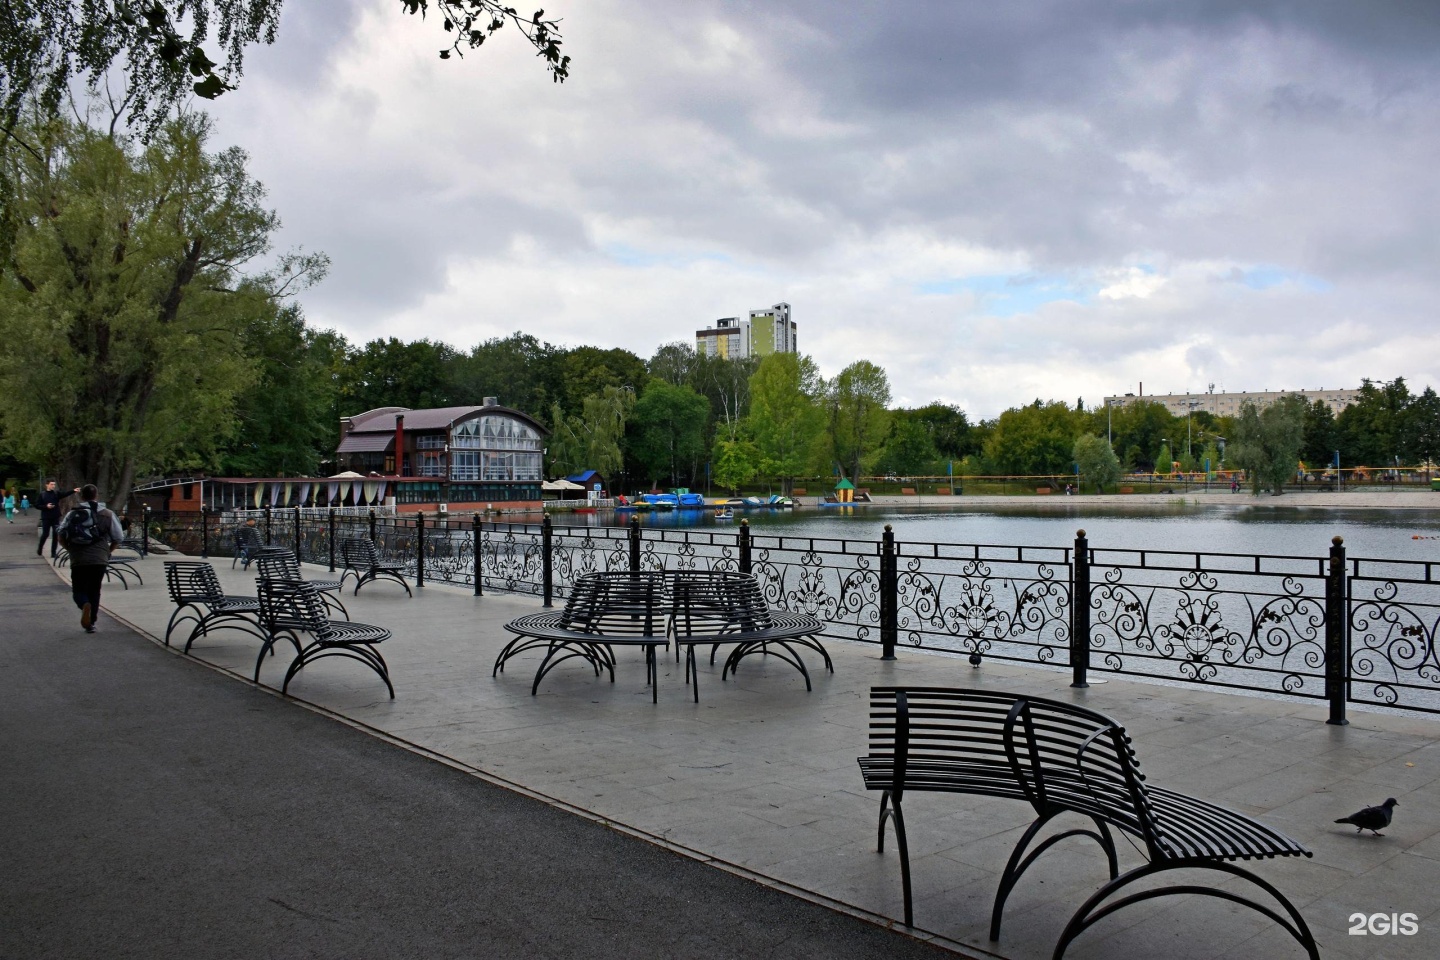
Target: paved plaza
(759, 778)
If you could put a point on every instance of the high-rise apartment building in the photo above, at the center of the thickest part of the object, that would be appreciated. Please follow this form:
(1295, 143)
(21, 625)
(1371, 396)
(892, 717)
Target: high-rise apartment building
(763, 332)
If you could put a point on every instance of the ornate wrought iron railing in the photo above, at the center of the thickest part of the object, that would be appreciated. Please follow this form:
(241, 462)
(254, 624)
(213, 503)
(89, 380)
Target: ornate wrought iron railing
(1358, 630)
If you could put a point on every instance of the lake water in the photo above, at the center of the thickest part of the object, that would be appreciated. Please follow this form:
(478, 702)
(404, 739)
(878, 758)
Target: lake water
(1278, 530)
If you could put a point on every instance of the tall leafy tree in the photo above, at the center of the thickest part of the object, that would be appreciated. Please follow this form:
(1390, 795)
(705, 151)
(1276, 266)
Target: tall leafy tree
(1267, 442)
(1321, 436)
(785, 420)
(287, 419)
(1425, 427)
(949, 429)
(674, 363)
(518, 370)
(859, 400)
(1038, 439)
(909, 448)
(592, 440)
(667, 434)
(1373, 428)
(126, 293)
(725, 383)
(586, 371)
(1097, 462)
(393, 373)
(1138, 428)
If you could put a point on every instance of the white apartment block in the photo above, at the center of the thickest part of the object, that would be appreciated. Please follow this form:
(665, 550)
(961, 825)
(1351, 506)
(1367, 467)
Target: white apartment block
(763, 332)
(1229, 404)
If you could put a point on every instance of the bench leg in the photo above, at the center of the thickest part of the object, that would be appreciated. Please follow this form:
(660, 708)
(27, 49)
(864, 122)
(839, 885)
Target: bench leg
(890, 808)
(1015, 867)
(1084, 917)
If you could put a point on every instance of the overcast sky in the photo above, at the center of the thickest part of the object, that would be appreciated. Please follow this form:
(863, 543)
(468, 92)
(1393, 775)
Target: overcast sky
(994, 201)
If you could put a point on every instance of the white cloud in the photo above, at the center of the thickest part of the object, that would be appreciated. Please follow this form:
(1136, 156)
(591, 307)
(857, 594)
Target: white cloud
(1245, 199)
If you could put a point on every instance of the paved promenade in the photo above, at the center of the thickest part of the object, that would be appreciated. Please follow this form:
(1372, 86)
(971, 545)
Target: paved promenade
(758, 779)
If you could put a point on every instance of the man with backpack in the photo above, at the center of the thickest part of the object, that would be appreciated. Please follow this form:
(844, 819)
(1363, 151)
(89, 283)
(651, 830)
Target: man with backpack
(89, 533)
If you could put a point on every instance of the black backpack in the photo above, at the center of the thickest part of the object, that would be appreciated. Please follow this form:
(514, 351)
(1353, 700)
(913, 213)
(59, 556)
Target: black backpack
(81, 527)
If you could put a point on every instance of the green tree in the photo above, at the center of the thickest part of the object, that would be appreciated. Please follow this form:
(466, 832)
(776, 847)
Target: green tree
(1038, 439)
(1373, 428)
(737, 462)
(1165, 460)
(518, 370)
(674, 363)
(1137, 428)
(47, 45)
(667, 434)
(859, 398)
(784, 421)
(1267, 442)
(1424, 440)
(1321, 436)
(949, 429)
(1097, 461)
(125, 298)
(586, 371)
(908, 448)
(287, 420)
(393, 373)
(593, 440)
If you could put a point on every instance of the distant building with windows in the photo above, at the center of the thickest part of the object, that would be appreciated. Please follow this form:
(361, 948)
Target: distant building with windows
(765, 331)
(1229, 404)
(485, 453)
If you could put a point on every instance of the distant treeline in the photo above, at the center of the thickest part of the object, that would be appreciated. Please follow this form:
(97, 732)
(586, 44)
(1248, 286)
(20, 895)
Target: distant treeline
(672, 417)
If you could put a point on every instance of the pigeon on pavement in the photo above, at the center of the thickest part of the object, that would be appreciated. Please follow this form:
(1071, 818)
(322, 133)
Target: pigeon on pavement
(1371, 818)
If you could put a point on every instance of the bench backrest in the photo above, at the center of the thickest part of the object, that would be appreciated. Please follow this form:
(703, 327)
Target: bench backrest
(617, 603)
(247, 536)
(280, 565)
(291, 605)
(191, 581)
(359, 554)
(714, 602)
(1055, 755)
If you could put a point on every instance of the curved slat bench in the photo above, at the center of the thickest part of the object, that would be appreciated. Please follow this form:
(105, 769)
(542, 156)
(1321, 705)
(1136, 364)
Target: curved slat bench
(362, 561)
(289, 608)
(724, 607)
(195, 590)
(282, 565)
(604, 610)
(1061, 759)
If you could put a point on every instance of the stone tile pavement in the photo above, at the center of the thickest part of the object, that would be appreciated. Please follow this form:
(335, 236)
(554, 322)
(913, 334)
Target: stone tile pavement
(760, 776)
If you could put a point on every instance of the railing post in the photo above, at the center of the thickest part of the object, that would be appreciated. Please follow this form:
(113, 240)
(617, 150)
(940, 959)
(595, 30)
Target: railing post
(267, 524)
(547, 567)
(634, 544)
(1337, 633)
(299, 557)
(204, 534)
(745, 562)
(420, 549)
(145, 531)
(331, 521)
(1080, 612)
(889, 596)
(475, 556)
(372, 524)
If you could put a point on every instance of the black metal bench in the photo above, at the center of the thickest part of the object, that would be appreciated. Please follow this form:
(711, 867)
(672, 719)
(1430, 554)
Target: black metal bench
(604, 610)
(120, 569)
(289, 608)
(196, 592)
(1061, 759)
(362, 561)
(723, 607)
(247, 542)
(282, 565)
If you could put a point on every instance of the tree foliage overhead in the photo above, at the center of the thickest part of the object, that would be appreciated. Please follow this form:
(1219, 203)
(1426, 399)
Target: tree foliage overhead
(125, 299)
(859, 401)
(785, 420)
(46, 45)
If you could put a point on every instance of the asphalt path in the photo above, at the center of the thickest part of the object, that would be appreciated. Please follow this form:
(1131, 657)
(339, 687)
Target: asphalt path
(153, 808)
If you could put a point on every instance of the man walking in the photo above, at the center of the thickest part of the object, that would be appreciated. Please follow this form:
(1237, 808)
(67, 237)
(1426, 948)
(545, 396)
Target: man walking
(89, 532)
(49, 518)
